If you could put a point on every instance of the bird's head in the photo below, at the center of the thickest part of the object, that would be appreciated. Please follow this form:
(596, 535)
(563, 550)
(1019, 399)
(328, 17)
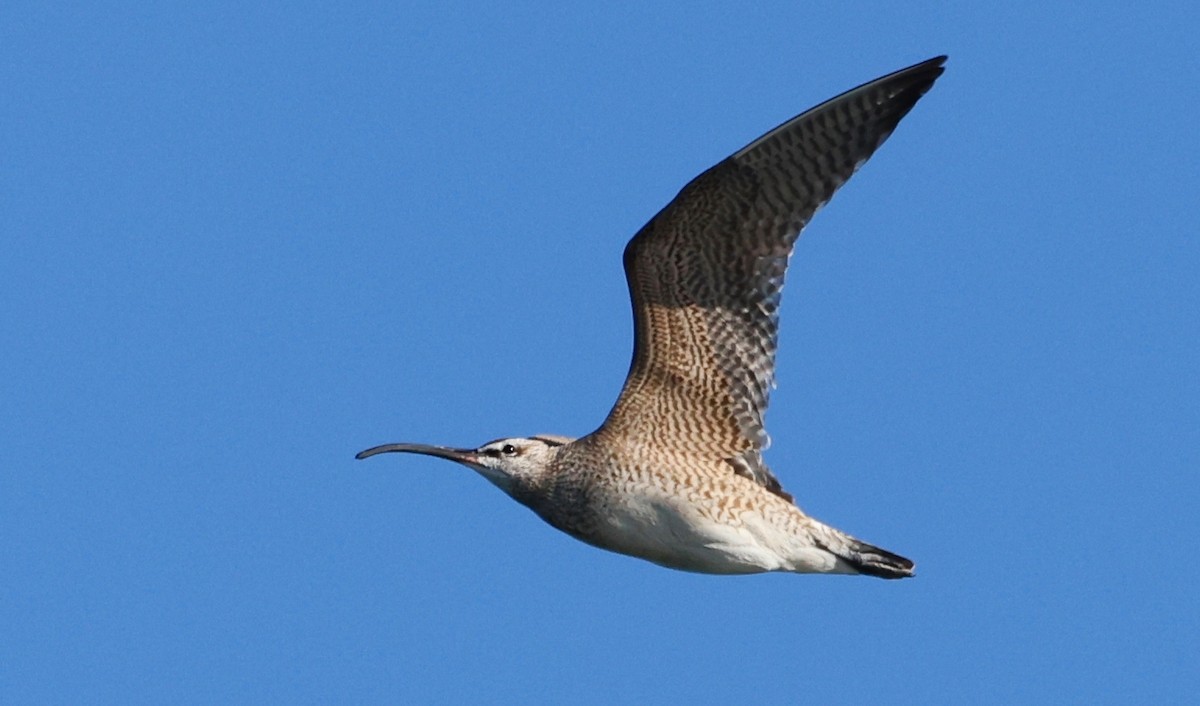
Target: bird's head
(518, 466)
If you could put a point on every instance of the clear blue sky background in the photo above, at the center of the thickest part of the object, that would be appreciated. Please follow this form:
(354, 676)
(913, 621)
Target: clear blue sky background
(241, 244)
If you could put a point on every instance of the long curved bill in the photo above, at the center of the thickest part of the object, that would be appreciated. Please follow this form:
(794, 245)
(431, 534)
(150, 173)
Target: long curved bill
(467, 456)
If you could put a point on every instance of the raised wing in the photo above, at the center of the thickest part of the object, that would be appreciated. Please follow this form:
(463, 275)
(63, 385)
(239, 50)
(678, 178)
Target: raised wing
(706, 273)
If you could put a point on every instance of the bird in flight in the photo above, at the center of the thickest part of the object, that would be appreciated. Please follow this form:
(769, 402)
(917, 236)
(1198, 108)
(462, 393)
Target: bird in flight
(675, 474)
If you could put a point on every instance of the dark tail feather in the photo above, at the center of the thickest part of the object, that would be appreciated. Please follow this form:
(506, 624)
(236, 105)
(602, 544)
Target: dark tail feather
(873, 561)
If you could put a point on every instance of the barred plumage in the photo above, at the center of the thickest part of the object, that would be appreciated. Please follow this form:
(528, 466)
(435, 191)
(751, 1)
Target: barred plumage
(675, 474)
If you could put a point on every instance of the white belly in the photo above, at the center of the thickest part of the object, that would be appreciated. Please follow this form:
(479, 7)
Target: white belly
(675, 533)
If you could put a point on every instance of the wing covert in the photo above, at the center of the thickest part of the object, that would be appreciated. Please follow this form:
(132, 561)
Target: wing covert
(706, 275)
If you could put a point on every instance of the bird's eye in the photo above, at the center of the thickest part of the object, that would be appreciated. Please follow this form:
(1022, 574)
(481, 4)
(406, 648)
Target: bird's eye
(508, 450)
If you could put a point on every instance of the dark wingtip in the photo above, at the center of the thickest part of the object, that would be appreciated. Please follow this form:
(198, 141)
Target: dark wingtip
(936, 64)
(921, 77)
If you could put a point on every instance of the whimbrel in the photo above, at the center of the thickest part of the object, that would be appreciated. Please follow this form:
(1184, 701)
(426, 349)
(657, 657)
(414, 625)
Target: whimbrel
(675, 474)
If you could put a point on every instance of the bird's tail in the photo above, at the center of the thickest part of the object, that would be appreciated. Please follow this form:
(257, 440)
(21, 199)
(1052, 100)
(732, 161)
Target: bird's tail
(873, 561)
(858, 557)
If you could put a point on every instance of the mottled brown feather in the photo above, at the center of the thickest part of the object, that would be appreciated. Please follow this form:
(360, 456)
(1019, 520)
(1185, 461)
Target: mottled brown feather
(706, 273)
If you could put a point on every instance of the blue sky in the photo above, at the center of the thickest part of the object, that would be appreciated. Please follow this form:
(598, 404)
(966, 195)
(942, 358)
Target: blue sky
(242, 244)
